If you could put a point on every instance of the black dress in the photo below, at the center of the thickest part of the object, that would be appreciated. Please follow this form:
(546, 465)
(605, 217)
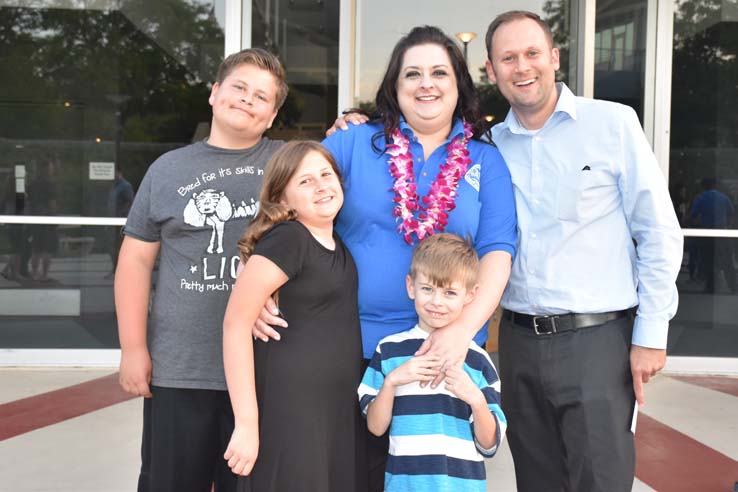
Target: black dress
(311, 430)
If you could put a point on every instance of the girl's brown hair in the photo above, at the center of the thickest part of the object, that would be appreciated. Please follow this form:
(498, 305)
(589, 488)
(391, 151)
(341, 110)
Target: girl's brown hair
(280, 169)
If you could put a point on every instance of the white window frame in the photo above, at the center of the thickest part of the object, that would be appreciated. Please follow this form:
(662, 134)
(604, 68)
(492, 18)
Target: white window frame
(585, 42)
(346, 49)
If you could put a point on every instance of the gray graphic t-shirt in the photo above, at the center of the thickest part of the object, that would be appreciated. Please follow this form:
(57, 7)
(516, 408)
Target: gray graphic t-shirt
(196, 201)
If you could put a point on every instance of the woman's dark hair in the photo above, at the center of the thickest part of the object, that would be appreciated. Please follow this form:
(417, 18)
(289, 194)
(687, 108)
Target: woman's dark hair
(388, 108)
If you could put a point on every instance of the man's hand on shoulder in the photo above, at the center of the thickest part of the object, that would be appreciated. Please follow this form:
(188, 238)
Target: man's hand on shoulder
(645, 363)
(342, 122)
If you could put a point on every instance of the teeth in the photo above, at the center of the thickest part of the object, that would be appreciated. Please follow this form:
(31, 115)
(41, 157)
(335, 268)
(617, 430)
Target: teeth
(428, 98)
(525, 82)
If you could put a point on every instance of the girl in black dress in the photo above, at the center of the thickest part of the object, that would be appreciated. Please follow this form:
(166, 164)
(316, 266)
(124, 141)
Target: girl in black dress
(294, 402)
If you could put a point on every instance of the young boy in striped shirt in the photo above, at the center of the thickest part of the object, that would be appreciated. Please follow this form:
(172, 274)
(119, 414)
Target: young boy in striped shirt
(438, 437)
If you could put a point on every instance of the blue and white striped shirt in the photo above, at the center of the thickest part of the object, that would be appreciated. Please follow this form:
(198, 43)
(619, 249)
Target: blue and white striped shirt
(432, 444)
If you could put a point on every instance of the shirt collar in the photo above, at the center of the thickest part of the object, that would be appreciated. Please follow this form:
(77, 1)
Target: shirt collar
(418, 332)
(566, 104)
(457, 129)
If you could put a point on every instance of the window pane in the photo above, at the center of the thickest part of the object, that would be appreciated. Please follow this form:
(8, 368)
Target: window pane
(377, 34)
(705, 323)
(90, 90)
(703, 167)
(56, 289)
(620, 44)
(304, 34)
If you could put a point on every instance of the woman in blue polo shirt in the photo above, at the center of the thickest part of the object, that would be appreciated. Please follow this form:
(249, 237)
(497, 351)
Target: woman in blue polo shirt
(401, 184)
(416, 170)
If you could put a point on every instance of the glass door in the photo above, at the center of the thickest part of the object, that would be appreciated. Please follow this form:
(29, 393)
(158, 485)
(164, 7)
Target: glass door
(703, 174)
(93, 93)
(304, 34)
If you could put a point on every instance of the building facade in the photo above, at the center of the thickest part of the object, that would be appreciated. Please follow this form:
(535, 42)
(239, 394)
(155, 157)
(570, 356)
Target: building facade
(94, 90)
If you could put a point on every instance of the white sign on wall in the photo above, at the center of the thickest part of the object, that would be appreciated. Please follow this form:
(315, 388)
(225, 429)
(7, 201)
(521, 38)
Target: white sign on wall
(20, 178)
(102, 171)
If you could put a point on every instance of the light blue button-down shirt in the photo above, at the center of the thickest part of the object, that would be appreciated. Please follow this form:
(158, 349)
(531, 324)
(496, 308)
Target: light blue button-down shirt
(587, 185)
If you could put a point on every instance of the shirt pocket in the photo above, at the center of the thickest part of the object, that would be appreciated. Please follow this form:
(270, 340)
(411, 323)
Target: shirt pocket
(567, 195)
(583, 193)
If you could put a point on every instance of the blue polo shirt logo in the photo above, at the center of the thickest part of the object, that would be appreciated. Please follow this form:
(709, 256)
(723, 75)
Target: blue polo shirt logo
(472, 176)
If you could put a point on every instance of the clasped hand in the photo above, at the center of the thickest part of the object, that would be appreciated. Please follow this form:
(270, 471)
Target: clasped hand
(449, 346)
(242, 450)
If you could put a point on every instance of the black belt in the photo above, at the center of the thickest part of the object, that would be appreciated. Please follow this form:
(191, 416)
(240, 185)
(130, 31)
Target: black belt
(547, 325)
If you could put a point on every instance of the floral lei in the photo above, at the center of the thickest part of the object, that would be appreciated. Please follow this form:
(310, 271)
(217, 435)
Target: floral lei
(432, 213)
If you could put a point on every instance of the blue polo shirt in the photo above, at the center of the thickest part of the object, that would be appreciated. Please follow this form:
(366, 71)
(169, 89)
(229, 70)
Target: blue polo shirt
(485, 212)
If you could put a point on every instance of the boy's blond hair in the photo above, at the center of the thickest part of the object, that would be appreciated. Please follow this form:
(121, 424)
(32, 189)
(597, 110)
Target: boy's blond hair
(445, 258)
(259, 58)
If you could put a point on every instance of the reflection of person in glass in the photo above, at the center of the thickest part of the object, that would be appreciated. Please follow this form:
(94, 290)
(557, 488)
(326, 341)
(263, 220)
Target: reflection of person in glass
(12, 203)
(712, 209)
(422, 144)
(120, 198)
(42, 200)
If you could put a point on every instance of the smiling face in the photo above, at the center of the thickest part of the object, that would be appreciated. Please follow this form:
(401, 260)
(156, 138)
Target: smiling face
(524, 68)
(437, 306)
(427, 92)
(314, 191)
(243, 106)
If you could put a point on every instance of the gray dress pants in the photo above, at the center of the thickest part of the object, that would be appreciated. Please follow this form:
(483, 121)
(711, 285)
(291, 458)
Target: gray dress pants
(568, 398)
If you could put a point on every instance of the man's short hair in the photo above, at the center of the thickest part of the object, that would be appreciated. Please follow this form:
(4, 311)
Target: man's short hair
(445, 258)
(259, 58)
(515, 15)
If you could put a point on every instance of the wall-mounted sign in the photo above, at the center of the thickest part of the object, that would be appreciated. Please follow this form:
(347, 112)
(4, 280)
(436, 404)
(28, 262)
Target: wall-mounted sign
(20, 178)
(102, 171)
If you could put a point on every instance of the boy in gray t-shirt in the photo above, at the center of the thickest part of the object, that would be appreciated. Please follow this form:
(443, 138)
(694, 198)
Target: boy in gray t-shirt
(191, 208)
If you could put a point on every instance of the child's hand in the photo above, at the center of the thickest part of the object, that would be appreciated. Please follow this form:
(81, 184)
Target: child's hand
(421, 368)
(460, 384)
(269, 316)
(135, 372)
(447, 343)
(242, 450)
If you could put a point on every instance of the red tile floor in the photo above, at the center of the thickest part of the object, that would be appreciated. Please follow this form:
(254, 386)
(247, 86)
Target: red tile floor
(75, 430)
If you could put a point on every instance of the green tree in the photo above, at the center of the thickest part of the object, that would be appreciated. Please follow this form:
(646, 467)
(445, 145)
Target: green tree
(136, 77)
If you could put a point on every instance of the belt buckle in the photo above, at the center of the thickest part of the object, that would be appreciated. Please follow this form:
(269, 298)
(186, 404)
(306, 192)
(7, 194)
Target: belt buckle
(538, 327)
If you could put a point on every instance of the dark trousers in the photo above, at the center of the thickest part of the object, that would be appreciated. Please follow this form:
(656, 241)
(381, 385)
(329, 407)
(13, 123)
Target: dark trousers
(568, 399)
(185, 433)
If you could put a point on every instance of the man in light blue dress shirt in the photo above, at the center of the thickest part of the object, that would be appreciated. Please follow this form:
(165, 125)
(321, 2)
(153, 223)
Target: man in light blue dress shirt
(592, 287)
